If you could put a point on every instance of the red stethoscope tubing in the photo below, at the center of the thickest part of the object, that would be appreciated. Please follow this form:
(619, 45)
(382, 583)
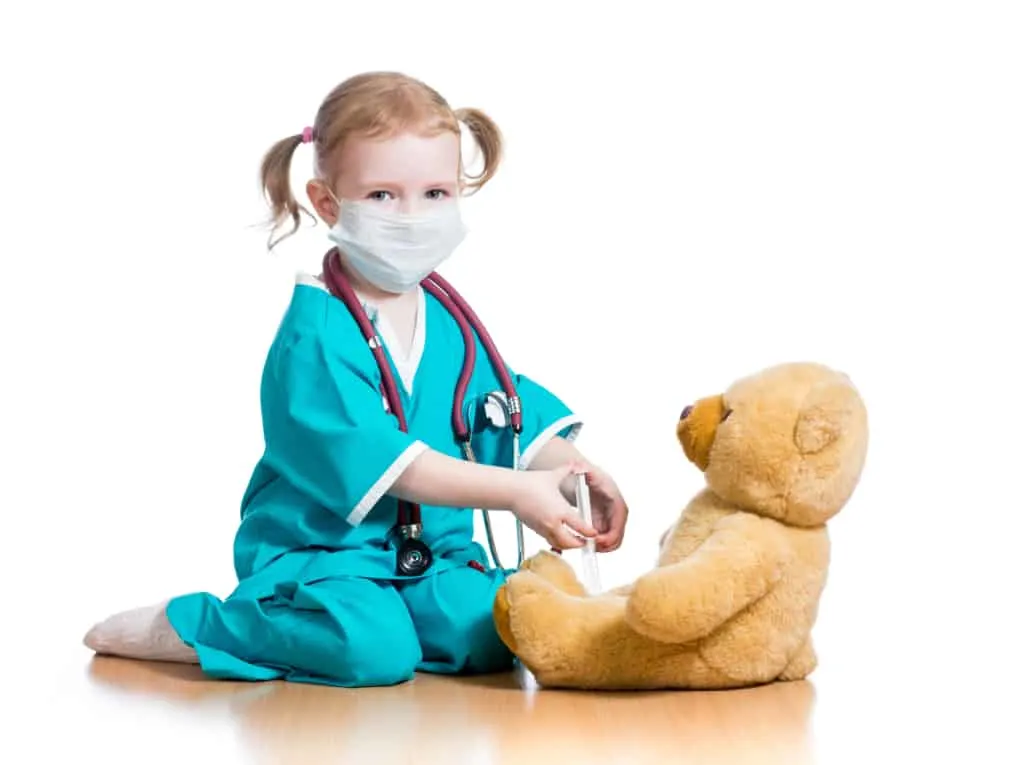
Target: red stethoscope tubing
(468, 322)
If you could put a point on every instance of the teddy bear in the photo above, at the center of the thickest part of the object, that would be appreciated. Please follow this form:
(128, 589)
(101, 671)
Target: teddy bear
(734, 593)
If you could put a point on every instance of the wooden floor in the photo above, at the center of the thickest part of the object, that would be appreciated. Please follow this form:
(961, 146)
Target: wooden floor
(175, 715)
(119, 711)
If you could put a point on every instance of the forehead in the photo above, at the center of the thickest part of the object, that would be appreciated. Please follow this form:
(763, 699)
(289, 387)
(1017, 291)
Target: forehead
(406, 157)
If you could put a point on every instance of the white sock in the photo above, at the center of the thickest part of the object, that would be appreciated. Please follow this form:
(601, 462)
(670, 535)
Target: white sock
(140, 633)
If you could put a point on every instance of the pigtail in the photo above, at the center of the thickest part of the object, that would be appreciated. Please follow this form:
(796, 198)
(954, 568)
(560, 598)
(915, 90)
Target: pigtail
(275, 177)
(488, 138)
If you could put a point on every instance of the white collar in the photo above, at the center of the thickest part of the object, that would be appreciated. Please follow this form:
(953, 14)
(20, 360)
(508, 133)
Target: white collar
(406, 363)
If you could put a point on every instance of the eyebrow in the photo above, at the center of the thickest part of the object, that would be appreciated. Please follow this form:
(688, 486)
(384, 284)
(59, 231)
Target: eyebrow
(392, 184)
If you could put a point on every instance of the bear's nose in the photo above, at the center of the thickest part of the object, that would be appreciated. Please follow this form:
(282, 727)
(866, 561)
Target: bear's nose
(686, 412)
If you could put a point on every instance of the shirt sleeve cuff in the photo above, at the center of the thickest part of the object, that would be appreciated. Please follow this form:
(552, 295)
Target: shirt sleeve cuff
(568, 427)
(386, 480)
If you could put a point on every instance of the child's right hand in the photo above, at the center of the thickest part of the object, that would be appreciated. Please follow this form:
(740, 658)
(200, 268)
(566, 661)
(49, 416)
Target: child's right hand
(542, 507)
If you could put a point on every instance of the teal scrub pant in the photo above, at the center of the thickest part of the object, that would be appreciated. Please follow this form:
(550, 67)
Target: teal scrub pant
(349, 631)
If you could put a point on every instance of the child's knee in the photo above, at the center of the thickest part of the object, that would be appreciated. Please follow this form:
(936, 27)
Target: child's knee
(387, 657)
(454, 614)
(468, 641)
(355, 635)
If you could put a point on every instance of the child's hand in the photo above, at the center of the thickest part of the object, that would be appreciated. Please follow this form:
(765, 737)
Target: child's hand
(608, 508)
(541, 506)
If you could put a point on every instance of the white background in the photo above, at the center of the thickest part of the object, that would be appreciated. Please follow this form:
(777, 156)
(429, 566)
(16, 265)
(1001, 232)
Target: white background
(688, 195)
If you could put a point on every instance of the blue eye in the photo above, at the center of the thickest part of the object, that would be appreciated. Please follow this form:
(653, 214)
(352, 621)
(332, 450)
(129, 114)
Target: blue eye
(378, 195)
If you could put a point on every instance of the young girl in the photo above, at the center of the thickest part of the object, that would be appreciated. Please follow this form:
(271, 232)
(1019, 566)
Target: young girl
(319, 597)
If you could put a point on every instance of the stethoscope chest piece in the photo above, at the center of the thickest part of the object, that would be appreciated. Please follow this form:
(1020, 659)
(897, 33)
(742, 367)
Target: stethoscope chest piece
(414, 556)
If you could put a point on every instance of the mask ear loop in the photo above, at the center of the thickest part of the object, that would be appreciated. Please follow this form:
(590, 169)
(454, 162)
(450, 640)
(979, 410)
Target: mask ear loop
(330, 193)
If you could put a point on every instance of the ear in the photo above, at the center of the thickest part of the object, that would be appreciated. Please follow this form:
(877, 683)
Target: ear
(323, 203)
(827, 411)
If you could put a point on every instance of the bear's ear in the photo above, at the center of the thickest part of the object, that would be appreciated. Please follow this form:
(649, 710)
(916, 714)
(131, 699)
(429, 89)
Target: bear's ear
(827, 411)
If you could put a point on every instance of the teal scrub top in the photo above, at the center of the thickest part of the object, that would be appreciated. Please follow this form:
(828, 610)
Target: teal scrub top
(316, 505)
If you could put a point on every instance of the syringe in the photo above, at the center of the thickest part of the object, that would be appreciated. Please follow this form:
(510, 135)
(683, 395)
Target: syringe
(591, 579)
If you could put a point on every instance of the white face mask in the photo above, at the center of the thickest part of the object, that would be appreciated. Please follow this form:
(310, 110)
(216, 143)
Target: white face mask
(392, 251)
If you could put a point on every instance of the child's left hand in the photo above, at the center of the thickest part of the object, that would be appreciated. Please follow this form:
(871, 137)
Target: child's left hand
(609, 509)
(607, 506)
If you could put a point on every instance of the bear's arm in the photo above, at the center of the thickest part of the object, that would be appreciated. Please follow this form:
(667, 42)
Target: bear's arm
(736, 565)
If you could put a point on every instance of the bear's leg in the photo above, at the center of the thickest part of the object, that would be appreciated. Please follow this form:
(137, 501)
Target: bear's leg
(552, 567)
(571, 642)
(803, 664)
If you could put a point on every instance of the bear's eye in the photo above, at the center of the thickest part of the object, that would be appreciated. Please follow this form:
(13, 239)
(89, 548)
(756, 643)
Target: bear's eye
(725, 415)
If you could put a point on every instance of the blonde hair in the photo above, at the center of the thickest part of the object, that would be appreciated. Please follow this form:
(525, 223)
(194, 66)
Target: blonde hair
(374, 104)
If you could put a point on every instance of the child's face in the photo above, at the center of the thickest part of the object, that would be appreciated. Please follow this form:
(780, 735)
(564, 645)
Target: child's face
(406, 173)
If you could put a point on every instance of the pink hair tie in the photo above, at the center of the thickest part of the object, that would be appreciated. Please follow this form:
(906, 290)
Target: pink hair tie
(307, 135)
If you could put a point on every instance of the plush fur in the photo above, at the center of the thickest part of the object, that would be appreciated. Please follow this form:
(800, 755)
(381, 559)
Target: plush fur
(735, 593)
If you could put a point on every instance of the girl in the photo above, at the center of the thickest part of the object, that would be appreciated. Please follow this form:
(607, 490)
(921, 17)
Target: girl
(319, 598)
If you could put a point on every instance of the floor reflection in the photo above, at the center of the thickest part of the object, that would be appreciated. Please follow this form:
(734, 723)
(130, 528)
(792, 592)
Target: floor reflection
(492, 720)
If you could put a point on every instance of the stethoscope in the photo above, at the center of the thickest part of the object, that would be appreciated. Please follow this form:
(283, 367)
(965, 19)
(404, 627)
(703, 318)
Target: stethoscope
(504, 407)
